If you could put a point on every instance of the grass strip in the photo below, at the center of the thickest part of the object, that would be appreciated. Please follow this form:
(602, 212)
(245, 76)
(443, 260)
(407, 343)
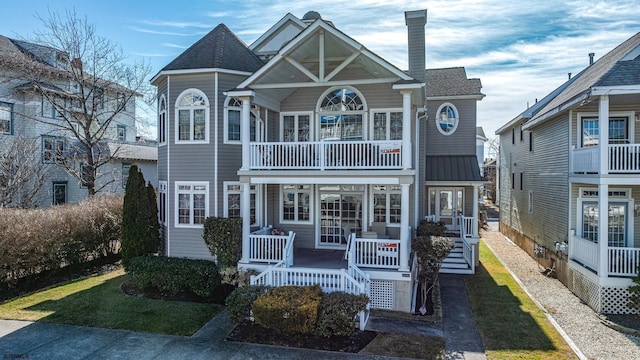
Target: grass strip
(510, 324)
(98, 301)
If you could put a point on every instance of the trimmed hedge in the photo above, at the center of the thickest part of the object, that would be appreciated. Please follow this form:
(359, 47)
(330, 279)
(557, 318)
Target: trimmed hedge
(33, 241)
(172, 275)
(337, 313)
(223, 237)
(289, 309)
(240, 302)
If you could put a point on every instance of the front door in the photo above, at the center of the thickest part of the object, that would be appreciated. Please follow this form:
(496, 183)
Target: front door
(447, 204)
(340, 214)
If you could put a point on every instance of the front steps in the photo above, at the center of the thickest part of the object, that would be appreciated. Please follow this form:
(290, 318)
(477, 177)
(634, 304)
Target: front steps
(455, 262)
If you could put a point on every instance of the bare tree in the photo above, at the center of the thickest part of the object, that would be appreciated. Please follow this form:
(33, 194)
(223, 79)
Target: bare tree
(89, 86)
(22, 176)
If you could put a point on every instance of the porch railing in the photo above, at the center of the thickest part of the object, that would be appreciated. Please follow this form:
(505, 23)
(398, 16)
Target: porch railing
(377, 253)
(584, 251)
(321, 155)
(466, 226)
(623, 158)
(623, 261)
(468, 251)
(270, 249)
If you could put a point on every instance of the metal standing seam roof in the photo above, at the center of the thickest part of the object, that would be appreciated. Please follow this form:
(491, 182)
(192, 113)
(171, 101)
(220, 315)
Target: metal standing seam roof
(453, 168)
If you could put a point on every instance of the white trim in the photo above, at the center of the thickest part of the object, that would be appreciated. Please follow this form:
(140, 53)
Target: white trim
(408, 86)
(163, 189)
(340, 83)
(225, 116)
(311, 193)
(296, 115)
(177, 109)
(457, 97)
(170, 194)
(627, 199)
(176, 194)
(256, 191)
(387, 192)
(457, 118)
(630, 115)
(163, 128)
(542, 117)
(388, 112)
(216, 141)
(197, 71)
(275, 28)
(615, 90)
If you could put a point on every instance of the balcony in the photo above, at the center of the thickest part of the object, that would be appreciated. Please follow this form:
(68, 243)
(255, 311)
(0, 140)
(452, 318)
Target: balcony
(622, 159)
(326, 155)
(622, 261)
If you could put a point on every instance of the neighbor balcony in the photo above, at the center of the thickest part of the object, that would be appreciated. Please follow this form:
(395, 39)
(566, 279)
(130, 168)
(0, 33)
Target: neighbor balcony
(621, 159)
(327, 155)
(621, 261)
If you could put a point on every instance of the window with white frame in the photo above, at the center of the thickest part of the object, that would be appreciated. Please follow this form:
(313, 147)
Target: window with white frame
(121, 132)
(447, 119)
(192, 207)
(192, 114)
(6, 118)
(125, 174)
(162, 202)
(387, 124)
(620, 229)
(233, 119)
(387, 203)
(619, 129)
(52, 149)
(162, 121)
(295, 203)
(295, 127)
(342, 112)
(233, 203)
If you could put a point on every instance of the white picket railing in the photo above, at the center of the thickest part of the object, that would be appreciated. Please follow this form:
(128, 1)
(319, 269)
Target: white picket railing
(468, 251)
(623, 261)
(321, 155)
(623, 158)
(267, 248)
(377, 253)
(584, 251)
(466, 226)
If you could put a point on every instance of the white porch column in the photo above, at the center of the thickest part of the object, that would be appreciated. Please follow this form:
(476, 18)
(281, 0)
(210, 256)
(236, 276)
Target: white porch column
(245, 130)
(603, 139)
(603, 230)
(406, 129)
(245, 209)
(405, 234)
(476, 215)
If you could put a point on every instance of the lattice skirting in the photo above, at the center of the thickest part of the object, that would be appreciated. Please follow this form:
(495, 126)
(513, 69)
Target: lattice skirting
(602, 299)
(382, 293)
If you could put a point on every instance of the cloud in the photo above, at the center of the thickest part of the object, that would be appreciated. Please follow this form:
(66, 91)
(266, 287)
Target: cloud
(177, 46)
(169, 33)
(176, 24)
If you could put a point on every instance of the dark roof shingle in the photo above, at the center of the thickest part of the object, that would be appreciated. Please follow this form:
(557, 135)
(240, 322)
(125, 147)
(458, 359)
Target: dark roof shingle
(451, 82)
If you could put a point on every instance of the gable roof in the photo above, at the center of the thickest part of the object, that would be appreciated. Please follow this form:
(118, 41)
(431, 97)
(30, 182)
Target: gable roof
(219, 49)
(451, 82)
(610, 69)
(278, 35)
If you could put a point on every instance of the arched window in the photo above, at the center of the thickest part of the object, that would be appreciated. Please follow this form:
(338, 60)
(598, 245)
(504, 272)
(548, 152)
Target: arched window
(192, 114)
(162, 121)
(232, 113)
(447, 119)
(342, 112)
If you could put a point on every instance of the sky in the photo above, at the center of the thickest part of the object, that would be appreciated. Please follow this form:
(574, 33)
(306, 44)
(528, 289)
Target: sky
(520, 50)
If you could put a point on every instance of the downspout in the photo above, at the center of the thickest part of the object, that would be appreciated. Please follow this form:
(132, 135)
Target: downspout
(167, 128)
(215, 147)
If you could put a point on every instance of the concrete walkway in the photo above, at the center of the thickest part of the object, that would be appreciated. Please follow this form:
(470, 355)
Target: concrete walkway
(40, 340)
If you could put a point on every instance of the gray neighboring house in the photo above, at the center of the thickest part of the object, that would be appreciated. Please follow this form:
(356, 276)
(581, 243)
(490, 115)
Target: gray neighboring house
(331, 153)
(24, 112)
(568, 179)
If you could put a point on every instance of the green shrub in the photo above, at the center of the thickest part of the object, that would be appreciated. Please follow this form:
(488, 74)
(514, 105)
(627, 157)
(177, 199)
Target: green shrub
(36, 240)
(236, 277)
(172, 275)
(240, 302)
(429, 228)
(223, 238)
(431, 252)
(289, 309)
(337, 313)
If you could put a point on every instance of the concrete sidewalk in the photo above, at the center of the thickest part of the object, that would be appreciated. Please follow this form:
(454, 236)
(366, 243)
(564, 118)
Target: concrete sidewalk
(23, 339)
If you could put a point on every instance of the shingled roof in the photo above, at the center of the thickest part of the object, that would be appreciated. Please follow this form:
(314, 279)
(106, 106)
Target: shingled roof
(220, 48)
(451, 82)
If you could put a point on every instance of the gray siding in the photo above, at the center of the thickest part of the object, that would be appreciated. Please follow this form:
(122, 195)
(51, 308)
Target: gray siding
(463, 140)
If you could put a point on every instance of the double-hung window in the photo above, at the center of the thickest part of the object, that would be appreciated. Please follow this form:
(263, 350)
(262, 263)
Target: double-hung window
(233, 120)
(233, 203)
(6, 118)
(52, 149)
(192, 207)
(162, 121)
(387, 203)
(192, 113)
(295, 203)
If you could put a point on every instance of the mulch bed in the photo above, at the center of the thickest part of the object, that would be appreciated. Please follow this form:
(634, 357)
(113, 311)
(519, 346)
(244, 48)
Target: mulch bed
(260, 335)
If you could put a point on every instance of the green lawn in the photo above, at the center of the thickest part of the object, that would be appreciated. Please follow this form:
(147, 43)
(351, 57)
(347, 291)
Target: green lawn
(509, 322)
(98, 301)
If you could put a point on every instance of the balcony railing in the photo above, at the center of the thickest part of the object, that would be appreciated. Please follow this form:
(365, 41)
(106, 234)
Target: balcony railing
(326, 155)
(377, 253)
(623, 158)
(622, 261)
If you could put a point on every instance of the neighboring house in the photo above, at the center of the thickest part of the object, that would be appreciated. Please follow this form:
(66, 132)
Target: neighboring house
(310, 132)
(24, 112)
(481, 138)
(569, 177)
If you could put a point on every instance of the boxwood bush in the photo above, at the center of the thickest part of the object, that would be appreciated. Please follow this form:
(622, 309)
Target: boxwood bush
(172, 275)
(289, 309)
(240, 302)
(337, 313)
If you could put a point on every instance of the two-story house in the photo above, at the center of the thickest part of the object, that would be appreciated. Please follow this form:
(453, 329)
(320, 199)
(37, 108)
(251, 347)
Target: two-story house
(331, 154)
(26, 112)
(568, 169)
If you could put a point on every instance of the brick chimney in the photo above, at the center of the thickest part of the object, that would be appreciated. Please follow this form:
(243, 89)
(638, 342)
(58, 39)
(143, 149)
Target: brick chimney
(415, 21)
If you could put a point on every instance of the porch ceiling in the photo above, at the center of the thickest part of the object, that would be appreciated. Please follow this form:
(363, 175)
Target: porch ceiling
(382, 177)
